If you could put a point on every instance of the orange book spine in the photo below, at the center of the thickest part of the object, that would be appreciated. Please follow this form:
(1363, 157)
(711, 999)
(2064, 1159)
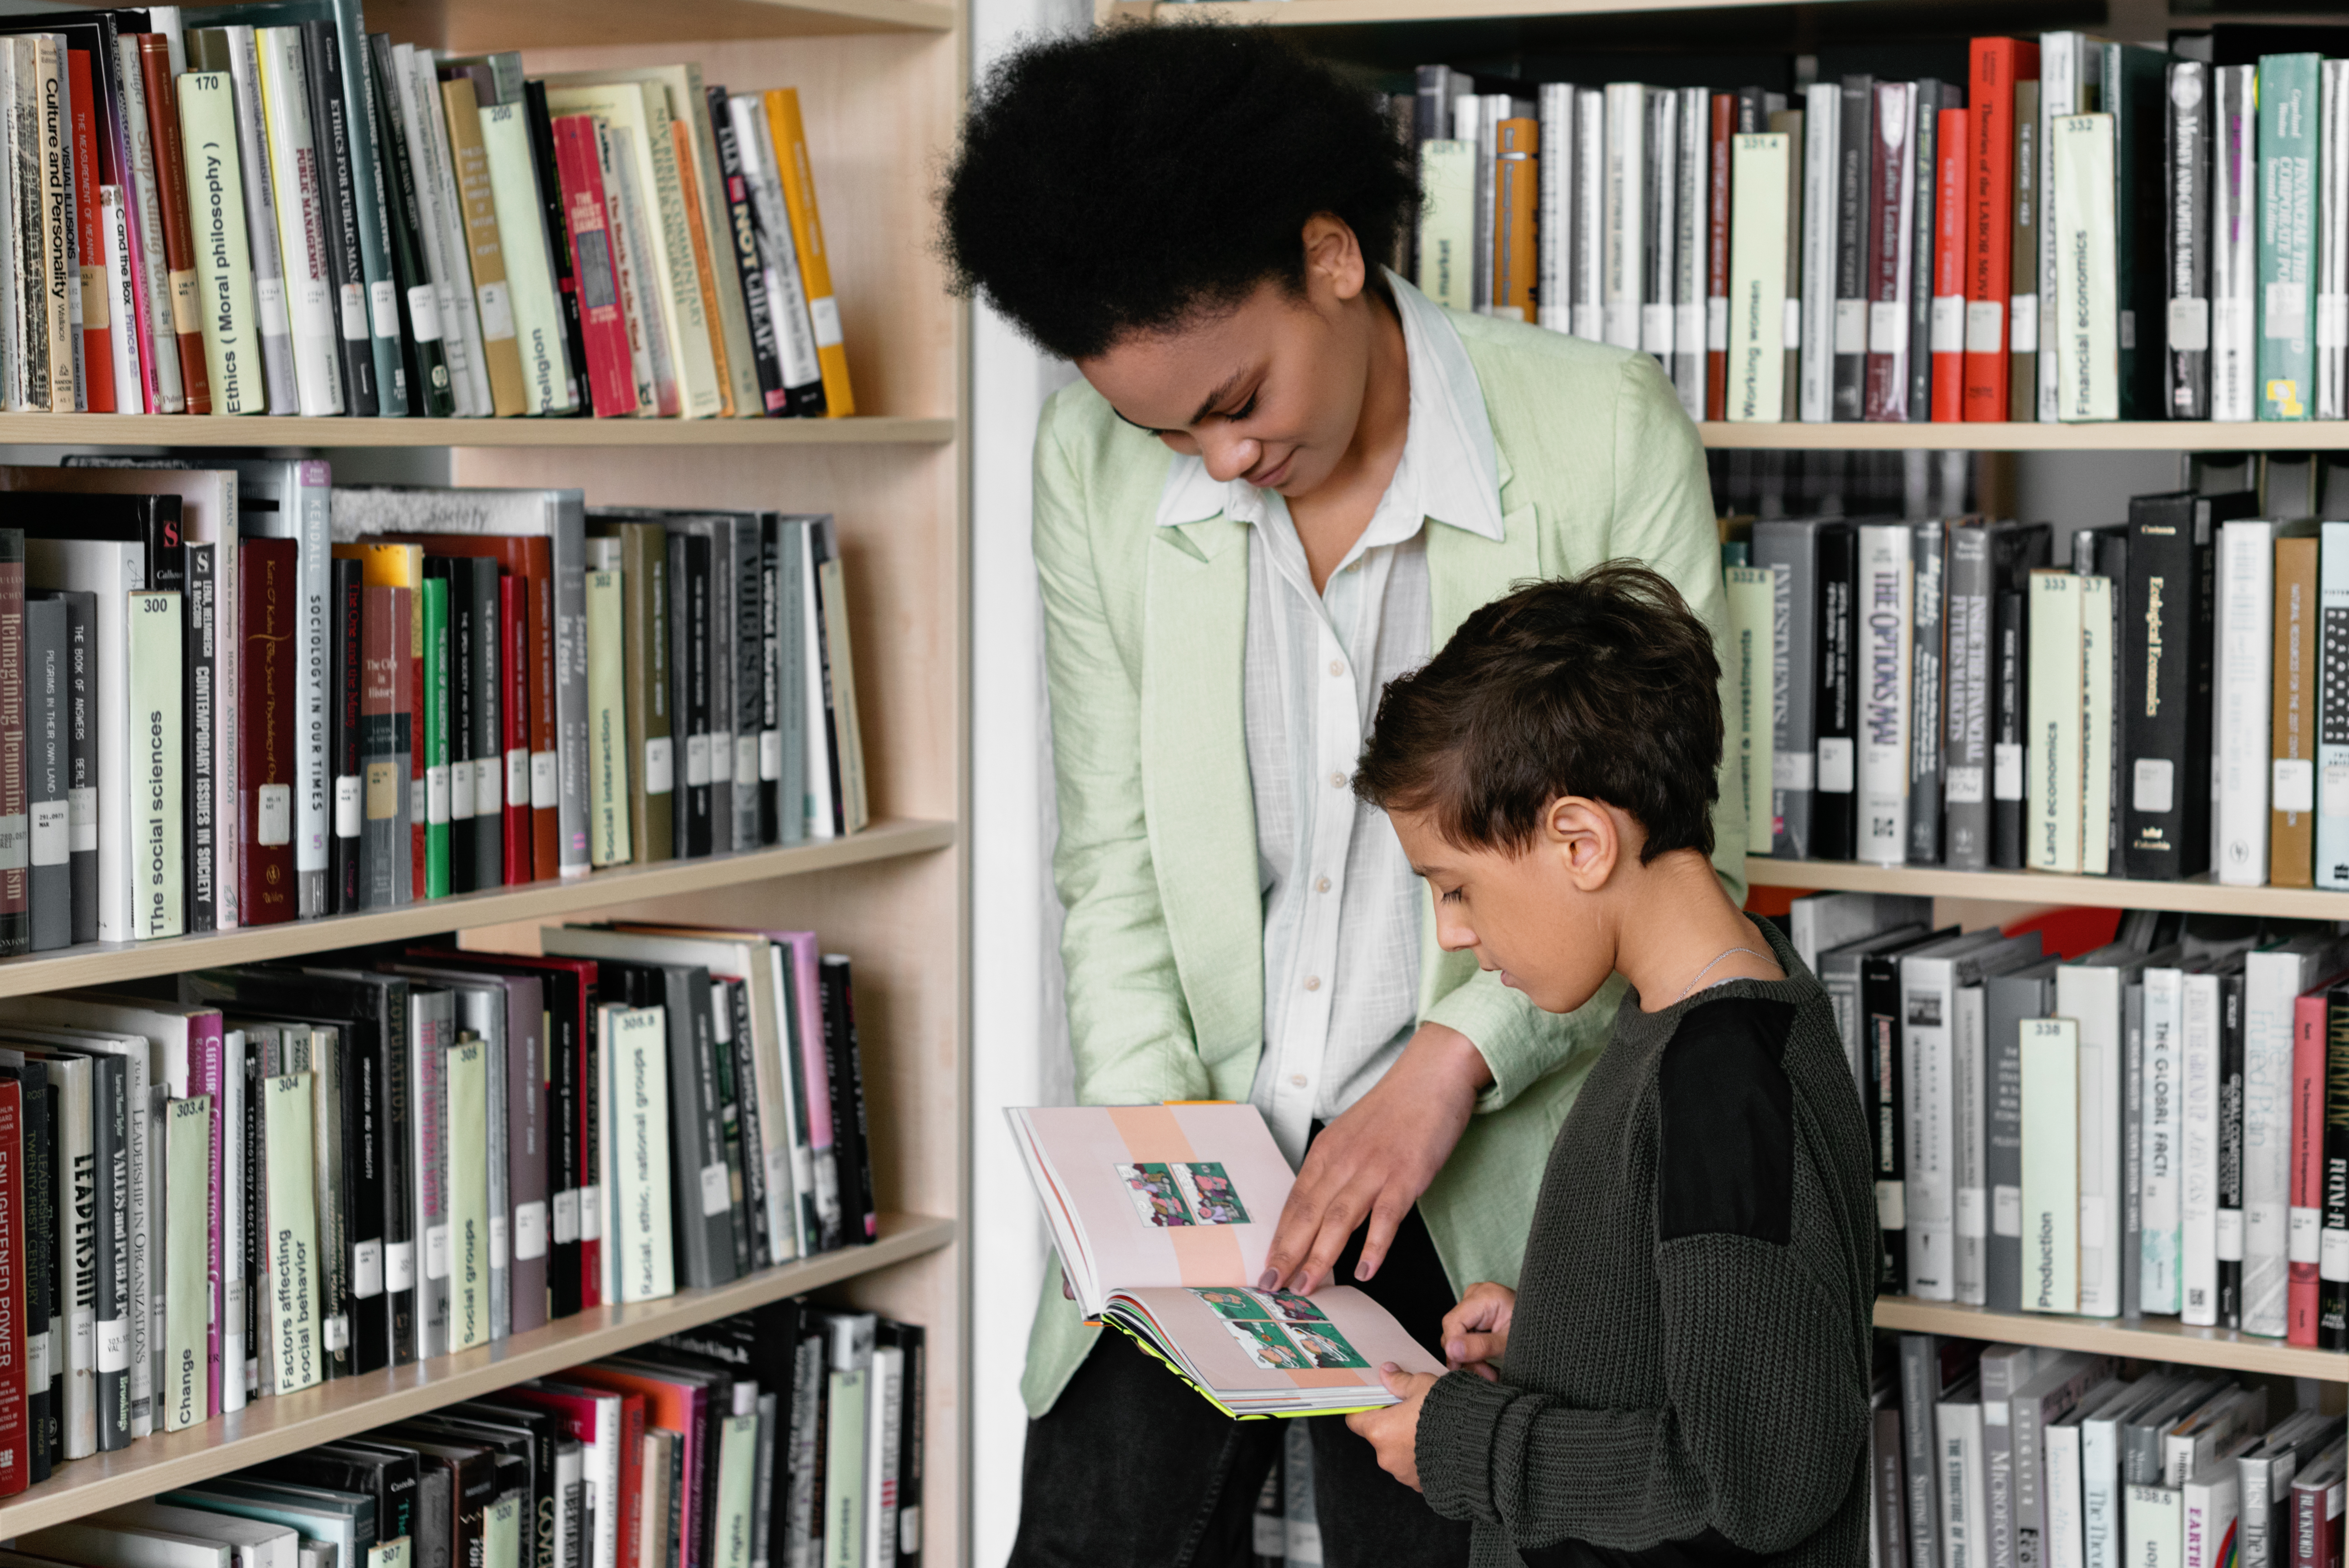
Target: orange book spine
(1995, 65)
(807, 235)
(1515, 254)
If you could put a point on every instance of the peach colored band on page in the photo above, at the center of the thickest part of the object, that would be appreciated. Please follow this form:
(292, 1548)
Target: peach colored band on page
(1204, 1255)
(1150, 1133)
(1330, 1377)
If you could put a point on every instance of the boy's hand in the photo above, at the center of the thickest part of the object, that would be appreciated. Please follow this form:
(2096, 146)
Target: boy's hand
(1476, 1331)
(1393, 1431)
(1376, 1158)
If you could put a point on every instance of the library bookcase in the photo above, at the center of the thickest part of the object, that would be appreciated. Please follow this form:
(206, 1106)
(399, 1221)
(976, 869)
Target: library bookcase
(880, 83)
(1483, 34)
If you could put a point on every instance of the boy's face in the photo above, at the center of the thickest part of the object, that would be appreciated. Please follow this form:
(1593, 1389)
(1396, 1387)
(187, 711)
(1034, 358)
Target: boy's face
(1539, 917)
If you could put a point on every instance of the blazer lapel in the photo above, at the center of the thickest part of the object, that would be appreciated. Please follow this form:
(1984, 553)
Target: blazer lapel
(1195, 781)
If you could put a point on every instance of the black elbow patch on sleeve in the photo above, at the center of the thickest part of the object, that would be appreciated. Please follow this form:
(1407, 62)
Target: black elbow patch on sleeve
(1725, 1164)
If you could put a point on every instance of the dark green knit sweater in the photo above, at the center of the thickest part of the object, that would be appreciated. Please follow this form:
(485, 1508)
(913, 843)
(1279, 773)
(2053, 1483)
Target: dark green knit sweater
(1689, 1360)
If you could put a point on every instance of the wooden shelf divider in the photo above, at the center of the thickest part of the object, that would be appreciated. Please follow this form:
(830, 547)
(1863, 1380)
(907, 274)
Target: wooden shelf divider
(2144, 1339)
(286, 431)
(269, 1428)
(2200, 895)
(109, 962)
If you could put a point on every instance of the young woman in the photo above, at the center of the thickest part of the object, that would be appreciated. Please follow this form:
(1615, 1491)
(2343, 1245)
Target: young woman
(1285, 480)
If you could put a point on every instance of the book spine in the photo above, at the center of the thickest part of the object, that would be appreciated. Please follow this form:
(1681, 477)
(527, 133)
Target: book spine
(198, 690)
(273, 389)
(265, 809)
(2051, 1188)
(610, 379)
(61, 299)
(441, 230)
(293, 151)
(1790, 552)
(1946, 321)
(2245, 670)
(2098, 700)
(2198, 1076)
(338, 211)
(92, 315)
(1928, 1008)
(1514, 258)
(639, 1068)
(1834, 821)
(15, 1437)
(1884, 611)
(15, 922)
(291, 1291)
(539, 340)
(466, 1151)
(1822, 133)
(515, 638)
(2085, 329)
(155, 785)
(2066, 87)
(1688, 234)
(122, 284)
(484, 246)
(2332, 846)
(2055, 750)
(851, 1138)
(2304, 1222)
(1852, 206)
(2159, 1123)
(188, 1144)
(110, 1156)
(2234, 263)
(742, 230)
(1720, 134)
(385, 746)
(1661, 211)
(2005, 1003)
(1929, 678)
(1757, 281)
(2292, 789)
(2290, 148)
(2163, 629)
(1923, 184)
(49, 890)
(607, 721)
(1966, 728)
(486, 715)
(143, 202)
(652, 725)
(2272, 984)
(1888, 263)
(223, 263)
(2187, 144)
(2228, 1222)
(345, 623)
(1991, 78)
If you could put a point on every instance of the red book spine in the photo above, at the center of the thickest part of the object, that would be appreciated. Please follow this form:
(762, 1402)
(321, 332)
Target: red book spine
(1949, 344)
(97, 333)
(15, 1453)
(514, 671)
(632, 1480)
(611, 370)
(179, 231)
(266, 596)
(1716, 261)
(1891, 164)
(2307, 1211)
(546, 825)
(16, 820)
(1990, 216)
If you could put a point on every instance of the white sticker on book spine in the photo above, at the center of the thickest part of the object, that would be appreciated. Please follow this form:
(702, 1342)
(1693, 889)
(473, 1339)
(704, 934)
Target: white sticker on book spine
(2303, 1227)
(2006, 771)
(383, 308)
(336, 1331)
(1790, 326)
(269, 299)
(1947, 332)
(2128, 329)
(1836, 764)
(52, 833)
(2333, 786)
(746, 758)
(529, 1231)
(81, 811)
(1986, 326)
(517, 777)
(696, 760)
(497, 1240)
(1888, 326)
(114, 1344)
(1716, 324)
(2023, 324)
(1892, 1207)
(2295, 784)
(544, 781)
(2230, 1236)
(2332, 321)
(1851, 326)
(2333, 1256)
(1656, 328)
(436, 793)
(2092, 1220)
(2190, 326)
(2006, 1211)
(273, 809)
(367, 1270)
(2230, 323)
(565, 1213)
(497, 312)
(1688, 328)
(1973, 1212)
(424, 309)
(1962, 786)
(436, 1251)
(824, 315)
(489, 789)
(2286, 316)
(659, 778)
(351, 805)
(353, 313)
(2152, 785)
(460, 792)
(722, 756)
(36, 1361)
(717, 1191)
(771, 754)
(1589, 322)
(591, 1214)
(1790, 771)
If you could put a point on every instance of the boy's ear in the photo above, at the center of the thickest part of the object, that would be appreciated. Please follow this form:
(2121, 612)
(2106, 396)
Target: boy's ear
(1585, 835)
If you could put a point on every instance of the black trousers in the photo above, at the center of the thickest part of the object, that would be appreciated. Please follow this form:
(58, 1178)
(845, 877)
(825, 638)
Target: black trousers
(1129, 1468)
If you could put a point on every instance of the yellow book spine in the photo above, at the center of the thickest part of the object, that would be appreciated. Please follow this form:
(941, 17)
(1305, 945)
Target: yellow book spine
(807, 237)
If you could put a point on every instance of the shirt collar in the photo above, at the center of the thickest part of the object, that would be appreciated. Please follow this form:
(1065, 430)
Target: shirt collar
(1448, 456)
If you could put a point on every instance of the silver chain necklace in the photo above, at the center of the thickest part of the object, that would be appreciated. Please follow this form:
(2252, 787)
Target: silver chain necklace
(1708, 969)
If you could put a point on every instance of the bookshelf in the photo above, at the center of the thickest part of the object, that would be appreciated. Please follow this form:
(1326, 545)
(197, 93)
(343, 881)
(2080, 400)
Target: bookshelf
(880, 82)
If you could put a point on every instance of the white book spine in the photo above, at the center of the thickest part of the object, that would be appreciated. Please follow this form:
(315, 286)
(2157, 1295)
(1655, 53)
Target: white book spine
(114, 221)
(301, 221)
(1822, 130)
(2051, 1194)
(2086, 331)
(2099, 719)
(642, 1241)
(2060, 56)
(2100, 1500)
(1656, 246)
(1757, 277)
(1589, 261)
(433, 230)
(2161, 1126)
(2154, 1534)
(1556, 236)
(2333, 714)
(155, 648)
(1927, 1006)
(1965, 1508)
(1692, 337)
(1886, 609)
(2198, 1162)
(2060, 1504)
(1969, 1058)
(1624, 227)
(2091, 997)
(2272, 982)
(145, 213)
(462, 310)
(2233, 243)
(2054, 755)
(2208, 1505)
(2246, 659)
(234, 1353)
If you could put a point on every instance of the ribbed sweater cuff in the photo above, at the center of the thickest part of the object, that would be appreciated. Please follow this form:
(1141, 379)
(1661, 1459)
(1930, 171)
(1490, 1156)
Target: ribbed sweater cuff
(1455, 1446)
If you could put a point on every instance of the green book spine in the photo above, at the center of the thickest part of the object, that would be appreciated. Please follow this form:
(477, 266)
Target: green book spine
(436, 737)
(469, 1194)
(738, 1446)
(223, 257)
(159, 861)
(188, 1163)
(290, 1292)
(2289, 171)
(607, 724)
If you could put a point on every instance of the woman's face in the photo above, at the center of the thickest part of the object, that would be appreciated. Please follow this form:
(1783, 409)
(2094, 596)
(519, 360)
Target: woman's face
(1269, 391)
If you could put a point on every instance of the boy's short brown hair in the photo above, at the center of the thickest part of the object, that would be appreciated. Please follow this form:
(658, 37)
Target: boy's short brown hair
(1604, 685)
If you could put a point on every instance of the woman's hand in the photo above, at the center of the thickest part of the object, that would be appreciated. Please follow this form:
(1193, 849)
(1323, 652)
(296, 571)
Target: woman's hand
(1393, 1431)
(1376, 1158)
(1476, 1331)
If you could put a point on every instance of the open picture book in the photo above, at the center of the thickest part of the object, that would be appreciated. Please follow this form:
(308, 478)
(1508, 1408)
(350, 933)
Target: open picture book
(1164, 1215)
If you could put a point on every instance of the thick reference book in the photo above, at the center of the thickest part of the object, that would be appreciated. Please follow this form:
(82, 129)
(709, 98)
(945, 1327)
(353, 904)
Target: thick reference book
(1166, 1245)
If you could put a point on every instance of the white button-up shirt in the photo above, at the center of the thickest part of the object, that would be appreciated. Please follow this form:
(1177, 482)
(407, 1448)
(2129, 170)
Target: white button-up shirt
(1341, 907)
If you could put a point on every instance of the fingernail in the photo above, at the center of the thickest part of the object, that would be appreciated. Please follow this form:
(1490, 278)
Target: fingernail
(1268, 1280)
(1365, 1269)
(1455, 1350)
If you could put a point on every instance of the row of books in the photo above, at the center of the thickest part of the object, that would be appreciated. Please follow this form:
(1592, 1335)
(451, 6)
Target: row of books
(790, 1434)
(2154, 698)
(2149, 1127)
(243, 695)
(2013, 1454)
(2078, 230)
(268, 1176)
(264, 208)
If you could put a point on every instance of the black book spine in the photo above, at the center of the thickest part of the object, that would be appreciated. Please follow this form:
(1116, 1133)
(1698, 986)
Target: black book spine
(851, 1145)
(680, 630)
(770, 814)
(40, 1264)
(2010, 662)
(1833, 822)
(50, 883)
(914, 1341)
(397, 1148)
(487, 720)
(562, 1147)
(110, 1143)
(558, 239)
(700, 822)
(363, 1140)
(2333, 1294)
(826, 734)
(1928, 678)
(2202, 673)
(321, 63)
(256, 1254)
(200, 677)
(15, 818)
(81, 760)
(705, 1240)
(1854, 149)
(1924, 188)
(2187, 160)
(756, 1248)
(347, 869)
(2139, 102)
(750, 271)
(730, 1119)
(420, 312)
(2159, 637)
(2231, 1149)
(1879, 1012)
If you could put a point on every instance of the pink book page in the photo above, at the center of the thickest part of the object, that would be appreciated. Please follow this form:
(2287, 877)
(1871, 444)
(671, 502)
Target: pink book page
(1244, 1340)
(1166, 1194)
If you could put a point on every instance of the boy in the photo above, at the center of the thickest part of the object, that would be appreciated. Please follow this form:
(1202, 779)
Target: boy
(1689, 1381)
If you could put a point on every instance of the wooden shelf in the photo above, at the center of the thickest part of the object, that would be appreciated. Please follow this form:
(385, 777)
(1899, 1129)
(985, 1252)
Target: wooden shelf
(2144, 1339)
(2200, 895)
(269, 1428)
(267, 430)
(1356, 12)
(2136, 436)
(471, 26)
(107, 962)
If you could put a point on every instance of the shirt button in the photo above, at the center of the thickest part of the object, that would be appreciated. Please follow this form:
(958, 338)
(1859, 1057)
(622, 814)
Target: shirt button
(1313, 982)
(1337, 780)
(1336, 667)
(1297, 1078)
(1322, 885)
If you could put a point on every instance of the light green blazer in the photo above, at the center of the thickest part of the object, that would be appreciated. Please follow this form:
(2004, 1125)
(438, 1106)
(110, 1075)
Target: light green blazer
(1156, 865)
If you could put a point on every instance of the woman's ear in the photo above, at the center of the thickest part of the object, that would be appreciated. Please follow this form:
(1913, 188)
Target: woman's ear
(1585, 837)
(1333, 257)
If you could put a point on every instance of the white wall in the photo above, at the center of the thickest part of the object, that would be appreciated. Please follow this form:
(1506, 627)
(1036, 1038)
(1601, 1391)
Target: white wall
(1019, 1053)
